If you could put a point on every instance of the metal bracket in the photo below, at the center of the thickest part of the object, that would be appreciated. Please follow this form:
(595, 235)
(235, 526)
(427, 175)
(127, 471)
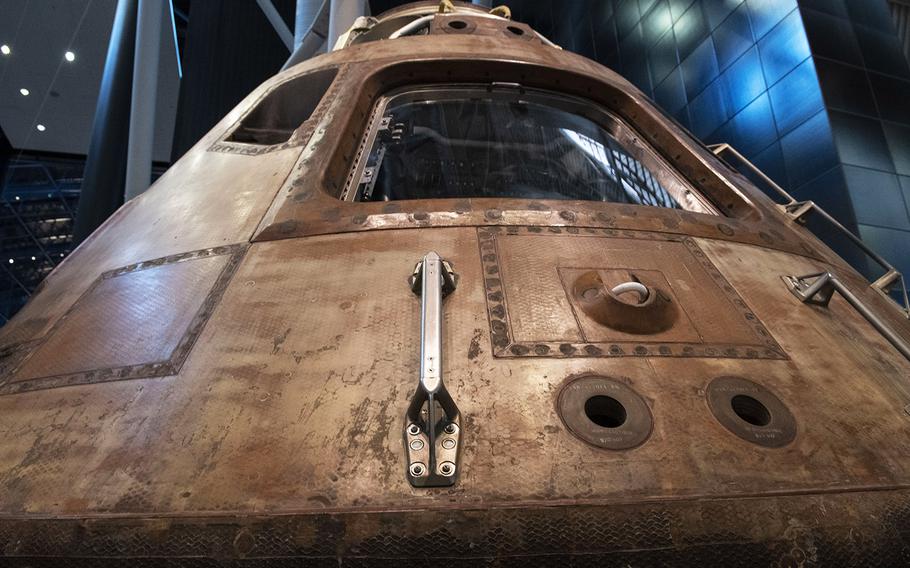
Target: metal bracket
(818, 289)
(798, 211)
(432, 444)
(368, 178)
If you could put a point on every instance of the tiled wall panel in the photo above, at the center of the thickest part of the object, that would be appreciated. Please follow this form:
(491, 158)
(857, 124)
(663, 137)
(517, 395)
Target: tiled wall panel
(815, 92)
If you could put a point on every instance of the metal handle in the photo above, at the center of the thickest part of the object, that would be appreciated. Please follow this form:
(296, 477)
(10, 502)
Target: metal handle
(431, 324)
(637, 287)
(818, 288)
(432, 445)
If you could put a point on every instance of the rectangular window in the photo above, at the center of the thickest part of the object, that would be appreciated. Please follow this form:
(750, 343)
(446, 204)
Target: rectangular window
(275, 118)
(485, 141)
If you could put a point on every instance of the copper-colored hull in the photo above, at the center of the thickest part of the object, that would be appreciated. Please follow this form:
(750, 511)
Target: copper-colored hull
(846, 529)
(221, 371)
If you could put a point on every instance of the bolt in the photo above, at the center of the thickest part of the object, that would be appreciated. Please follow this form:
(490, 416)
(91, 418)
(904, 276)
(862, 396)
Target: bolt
(448, 443)
(417, 469)
(447, 469)
(413, 429)
(417, 444)
(451, 428)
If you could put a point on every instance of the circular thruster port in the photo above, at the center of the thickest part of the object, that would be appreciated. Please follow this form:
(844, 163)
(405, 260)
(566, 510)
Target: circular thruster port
(751, 411)
(604, 412)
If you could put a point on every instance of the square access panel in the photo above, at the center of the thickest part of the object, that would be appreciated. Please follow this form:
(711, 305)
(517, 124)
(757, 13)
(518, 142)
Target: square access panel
(137, 321)
(548, 295)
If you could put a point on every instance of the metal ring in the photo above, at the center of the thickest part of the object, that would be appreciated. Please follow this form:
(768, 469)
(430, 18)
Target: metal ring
(447, 468)
(632, 431)
(641, 289)
(775, 429)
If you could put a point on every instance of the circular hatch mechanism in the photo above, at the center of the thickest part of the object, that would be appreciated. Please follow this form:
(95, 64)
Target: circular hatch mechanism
(604, 412)
(630, 306)
(751, 411)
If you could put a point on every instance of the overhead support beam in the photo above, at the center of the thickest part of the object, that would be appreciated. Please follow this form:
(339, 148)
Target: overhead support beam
(174, 31)
(105, 166)
(287, 38)
(315, 34)
(305, 15)
(149, 29)
(342, 14)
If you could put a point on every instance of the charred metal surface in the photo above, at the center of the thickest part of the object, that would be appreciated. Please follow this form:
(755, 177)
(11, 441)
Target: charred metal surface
(290, 406)
(282, 316)
(573, 341)
(17, 379)
(12, 356)
(841, 529)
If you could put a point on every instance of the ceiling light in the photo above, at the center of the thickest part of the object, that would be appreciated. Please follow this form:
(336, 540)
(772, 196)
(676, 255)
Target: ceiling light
(41, 128)
(17, 198)
(4, 49)
(69, 56)
(33, 258)
(24, 91)
(11, 261)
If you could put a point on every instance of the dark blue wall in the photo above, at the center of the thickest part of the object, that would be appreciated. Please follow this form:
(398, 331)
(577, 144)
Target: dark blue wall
(815, 93)
(865, 80)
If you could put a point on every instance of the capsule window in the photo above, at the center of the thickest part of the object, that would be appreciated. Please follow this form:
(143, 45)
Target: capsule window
(491, 141)
(275, 118)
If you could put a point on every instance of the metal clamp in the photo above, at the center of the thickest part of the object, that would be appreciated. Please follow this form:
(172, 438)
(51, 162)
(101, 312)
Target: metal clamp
(818, 289)
(798, 210)
(432, 444)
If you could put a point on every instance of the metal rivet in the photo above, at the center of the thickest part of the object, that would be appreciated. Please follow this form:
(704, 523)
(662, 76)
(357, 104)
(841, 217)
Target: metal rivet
(447, 469)
(413, 429)
(417, 469)
(451, 428)
(416, 444)
(448, 444)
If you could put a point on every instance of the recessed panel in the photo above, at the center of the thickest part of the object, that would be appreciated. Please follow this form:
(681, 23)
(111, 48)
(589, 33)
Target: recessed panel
(136, 321)
(550, 292)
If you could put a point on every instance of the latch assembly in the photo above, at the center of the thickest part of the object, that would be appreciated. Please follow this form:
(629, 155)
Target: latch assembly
(432, 432)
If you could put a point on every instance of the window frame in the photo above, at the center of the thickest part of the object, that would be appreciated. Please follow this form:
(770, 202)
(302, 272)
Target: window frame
(668, 176)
